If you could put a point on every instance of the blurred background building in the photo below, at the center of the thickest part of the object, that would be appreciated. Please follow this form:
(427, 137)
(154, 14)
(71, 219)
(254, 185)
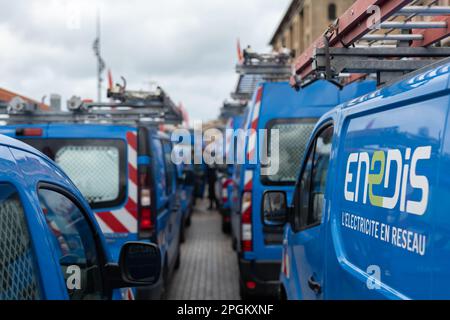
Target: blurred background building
(305, 21)
(6, 96)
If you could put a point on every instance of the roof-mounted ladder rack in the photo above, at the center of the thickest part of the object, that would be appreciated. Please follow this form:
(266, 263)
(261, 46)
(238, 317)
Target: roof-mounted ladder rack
(357, 43)
(152, 108)
(256, 68)
(231, 109)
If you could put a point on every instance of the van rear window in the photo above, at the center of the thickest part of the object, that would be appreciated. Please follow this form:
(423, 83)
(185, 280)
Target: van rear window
(293, 139)
(96, 167)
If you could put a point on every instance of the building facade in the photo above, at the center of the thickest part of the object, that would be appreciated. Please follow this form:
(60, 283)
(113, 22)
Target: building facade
(305, 21)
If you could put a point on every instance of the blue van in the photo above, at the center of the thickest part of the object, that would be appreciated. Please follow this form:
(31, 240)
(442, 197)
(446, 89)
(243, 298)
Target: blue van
(277, 108)
(186, 186)
(51, 246)
(123, 170)
(370, 213)
(226, 182)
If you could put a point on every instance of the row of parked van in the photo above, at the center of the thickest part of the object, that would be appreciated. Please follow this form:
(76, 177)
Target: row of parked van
(90, 208)
(358, 207)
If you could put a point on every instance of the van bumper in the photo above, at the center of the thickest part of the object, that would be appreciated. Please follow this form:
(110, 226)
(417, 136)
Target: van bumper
(263, 277)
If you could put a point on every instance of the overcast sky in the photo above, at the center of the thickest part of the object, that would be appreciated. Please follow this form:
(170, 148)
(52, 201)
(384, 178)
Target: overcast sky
(187, 47)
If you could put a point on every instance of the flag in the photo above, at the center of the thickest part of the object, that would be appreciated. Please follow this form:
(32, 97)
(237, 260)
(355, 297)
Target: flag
(239, 51)
(110, 80)
(101, 62)
(96, 47)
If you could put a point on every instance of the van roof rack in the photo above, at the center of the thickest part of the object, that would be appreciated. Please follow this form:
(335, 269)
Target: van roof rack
(256, 67)
(232, 109)
(379, 37)
(128, 107)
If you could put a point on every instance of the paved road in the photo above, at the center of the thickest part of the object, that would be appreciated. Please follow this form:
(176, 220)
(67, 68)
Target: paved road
(209, 269)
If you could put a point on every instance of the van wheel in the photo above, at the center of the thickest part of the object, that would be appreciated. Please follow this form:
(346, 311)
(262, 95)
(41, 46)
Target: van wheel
(165, 283)
(178, 261)
(183, 235)
(243, 292)
(226, 228)
(234, 244)
(189, 220)
(282, 294)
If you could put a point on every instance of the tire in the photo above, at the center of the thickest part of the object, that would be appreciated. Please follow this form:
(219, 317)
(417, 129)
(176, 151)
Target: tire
(226, 228)
(234, 244)
(245, 296)
(189, 220)
(178, 262)
(183, 235)
(282, 294)
(165, 279)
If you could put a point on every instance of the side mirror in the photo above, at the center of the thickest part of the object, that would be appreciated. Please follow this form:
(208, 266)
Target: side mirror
(139, 266)
(140, 263)
(275, 210)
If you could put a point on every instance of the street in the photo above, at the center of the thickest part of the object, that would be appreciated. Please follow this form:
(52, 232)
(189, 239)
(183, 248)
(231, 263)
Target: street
(209, 269)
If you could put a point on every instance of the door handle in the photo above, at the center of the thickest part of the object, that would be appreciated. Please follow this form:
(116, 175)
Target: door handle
(314, 285)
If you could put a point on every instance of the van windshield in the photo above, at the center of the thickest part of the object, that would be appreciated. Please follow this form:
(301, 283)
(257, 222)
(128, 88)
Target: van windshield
(96, 167)
(293, 139)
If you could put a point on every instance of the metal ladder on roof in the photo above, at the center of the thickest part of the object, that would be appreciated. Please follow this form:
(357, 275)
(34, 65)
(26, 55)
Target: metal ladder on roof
(128, 107)
(232, 108)
(377, 37)
(257, 68)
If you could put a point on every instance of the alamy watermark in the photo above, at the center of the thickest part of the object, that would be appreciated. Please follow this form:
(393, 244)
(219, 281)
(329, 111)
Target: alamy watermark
(228, 147)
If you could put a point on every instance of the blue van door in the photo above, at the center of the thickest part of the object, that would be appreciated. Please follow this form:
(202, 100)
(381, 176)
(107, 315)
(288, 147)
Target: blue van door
(173, 203)
(309, 233)
(161, 196)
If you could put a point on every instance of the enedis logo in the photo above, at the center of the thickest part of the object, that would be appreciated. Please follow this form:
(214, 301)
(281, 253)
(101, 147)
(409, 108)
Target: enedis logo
(386, 162)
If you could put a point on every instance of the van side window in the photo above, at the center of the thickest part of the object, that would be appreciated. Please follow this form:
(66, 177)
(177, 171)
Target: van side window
(170, 167)
(320, 174)
(159, 168)
(18, 269)
(74, 243)
(310, 193)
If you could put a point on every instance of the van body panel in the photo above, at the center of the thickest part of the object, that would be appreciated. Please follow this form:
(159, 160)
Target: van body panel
(384, 220)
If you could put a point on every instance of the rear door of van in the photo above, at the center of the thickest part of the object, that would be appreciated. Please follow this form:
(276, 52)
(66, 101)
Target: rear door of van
(102, 162)
(387, 207)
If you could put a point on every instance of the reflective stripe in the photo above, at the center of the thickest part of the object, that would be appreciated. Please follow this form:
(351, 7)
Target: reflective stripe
(125, 220)
(248, 185)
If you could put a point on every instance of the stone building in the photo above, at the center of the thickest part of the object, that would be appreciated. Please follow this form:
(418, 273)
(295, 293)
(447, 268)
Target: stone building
(305, 21)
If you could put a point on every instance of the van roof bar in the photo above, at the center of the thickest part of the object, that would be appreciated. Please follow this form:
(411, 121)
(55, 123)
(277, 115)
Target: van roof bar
(357, 43)
(256, 68)
(132, 107)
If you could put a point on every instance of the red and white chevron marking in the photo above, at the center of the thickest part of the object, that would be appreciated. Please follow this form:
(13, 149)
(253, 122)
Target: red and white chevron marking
(254, 126)
(125, 220)
(248, 180)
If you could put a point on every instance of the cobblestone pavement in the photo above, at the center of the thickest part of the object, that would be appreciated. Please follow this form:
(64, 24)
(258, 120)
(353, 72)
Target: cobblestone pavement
(209, 268)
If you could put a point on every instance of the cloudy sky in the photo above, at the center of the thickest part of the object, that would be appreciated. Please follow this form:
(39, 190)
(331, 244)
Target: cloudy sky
(187, 47)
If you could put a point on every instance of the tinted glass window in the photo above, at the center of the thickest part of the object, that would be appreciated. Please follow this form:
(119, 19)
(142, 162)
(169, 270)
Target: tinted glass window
(74, 244)
(293, 140)
(310, 193)
(170, 167)
(320, 174)
(159, 168)
(97, 167)
(303, 196)
(18, 270)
